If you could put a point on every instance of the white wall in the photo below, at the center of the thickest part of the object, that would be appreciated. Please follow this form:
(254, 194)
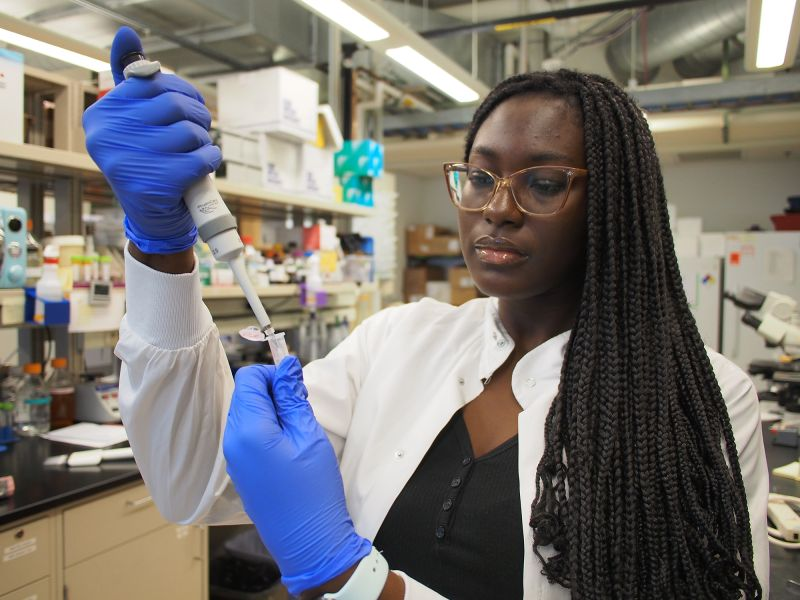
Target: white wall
(729, 195)
(732, 195)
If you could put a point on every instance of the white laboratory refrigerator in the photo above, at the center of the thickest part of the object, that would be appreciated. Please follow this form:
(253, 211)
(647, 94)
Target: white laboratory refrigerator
(764, 261)
(702, 282)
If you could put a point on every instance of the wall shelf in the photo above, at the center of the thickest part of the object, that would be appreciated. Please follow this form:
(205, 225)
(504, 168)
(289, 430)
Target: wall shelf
(276, 290)
(50, 161)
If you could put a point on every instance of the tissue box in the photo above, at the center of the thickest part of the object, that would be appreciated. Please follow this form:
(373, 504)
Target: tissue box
(357, 189)
(363, 157)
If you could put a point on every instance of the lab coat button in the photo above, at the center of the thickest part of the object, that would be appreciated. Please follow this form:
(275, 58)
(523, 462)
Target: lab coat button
(530, 382)
(439, 532)
(455, 482)
(460, 381)
(398, 454)
(501, 343)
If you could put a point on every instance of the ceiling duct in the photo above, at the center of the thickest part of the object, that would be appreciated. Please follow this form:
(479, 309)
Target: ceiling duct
(674, 31)
(708, 61)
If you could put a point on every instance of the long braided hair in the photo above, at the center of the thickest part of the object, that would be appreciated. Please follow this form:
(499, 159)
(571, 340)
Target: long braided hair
(639, 490)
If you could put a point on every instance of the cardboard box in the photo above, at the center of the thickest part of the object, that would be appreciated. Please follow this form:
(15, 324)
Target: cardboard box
(320, 236)
(280, 163)
(444, 245)
(462, 287)
(364, 157)
(421, 233)
(415, 280)
(11, 96)
(438, 290)
(459, 297)
(250, 227)
(275, 100)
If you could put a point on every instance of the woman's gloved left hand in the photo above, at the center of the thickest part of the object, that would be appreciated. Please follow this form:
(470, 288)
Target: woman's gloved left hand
(285, 471)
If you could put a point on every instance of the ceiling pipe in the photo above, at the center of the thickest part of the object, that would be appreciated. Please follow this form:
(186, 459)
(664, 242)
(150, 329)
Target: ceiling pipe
(181, 41)
(544, 17)
(675, 31)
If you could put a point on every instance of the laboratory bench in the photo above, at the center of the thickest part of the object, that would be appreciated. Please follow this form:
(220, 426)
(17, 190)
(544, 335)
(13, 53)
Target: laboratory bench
(784, 564)
(91, 532)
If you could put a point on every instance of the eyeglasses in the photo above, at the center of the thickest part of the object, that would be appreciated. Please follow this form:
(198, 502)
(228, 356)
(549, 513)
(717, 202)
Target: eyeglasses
(536, 190)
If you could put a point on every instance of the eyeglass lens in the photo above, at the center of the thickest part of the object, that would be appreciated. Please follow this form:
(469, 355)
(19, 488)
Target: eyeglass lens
(540, 190)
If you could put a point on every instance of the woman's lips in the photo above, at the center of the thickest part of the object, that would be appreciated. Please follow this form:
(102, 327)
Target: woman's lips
(499, 255)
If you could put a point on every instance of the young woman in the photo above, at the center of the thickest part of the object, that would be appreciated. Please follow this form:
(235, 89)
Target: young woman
(567, 436)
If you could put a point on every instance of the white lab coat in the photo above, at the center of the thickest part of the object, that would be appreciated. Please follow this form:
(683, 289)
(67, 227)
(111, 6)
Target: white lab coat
(382, 395)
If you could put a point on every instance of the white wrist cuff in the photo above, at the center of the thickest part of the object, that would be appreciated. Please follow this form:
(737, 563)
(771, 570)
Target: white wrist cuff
(367, 581)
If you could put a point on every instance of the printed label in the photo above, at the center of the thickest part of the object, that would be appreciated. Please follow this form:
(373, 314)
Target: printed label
(15, 551)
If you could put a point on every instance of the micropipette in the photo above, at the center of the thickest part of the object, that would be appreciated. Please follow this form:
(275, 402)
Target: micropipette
(217, 228)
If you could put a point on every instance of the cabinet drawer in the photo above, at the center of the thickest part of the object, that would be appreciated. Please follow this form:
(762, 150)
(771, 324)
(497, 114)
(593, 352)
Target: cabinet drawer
(25, 553)
(166, 564)
(35, 591)
(102, 524)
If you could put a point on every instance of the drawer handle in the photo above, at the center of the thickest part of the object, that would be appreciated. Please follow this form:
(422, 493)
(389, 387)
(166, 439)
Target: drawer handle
(140, 503)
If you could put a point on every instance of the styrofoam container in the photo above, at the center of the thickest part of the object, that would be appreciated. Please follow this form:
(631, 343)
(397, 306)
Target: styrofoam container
(316, 172)
(280, 163)
(243, 174)
(239, 147)
(276, 101)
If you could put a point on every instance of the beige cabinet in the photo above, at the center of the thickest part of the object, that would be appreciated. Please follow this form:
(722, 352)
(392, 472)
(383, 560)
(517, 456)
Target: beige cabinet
(39, 590)
(26, 554)
(164, 564)
(112, 546)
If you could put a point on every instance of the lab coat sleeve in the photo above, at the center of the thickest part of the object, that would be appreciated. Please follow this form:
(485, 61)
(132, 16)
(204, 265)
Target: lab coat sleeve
(175, 388)
(745, 416)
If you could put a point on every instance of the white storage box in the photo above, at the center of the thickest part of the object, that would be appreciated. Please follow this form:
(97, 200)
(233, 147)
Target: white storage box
(276, 101)
(239, 147)
(316, 172)
(11, 85)
(280, 163)
(243, 174)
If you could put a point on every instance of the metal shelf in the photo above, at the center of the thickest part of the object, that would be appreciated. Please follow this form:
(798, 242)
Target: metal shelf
(49, 161)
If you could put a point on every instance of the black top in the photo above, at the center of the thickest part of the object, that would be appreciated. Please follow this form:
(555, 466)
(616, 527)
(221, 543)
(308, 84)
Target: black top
(457, 526)
(40, 488)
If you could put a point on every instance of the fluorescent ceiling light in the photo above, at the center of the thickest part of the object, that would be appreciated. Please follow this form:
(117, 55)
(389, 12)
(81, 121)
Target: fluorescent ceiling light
(29, 43)
(772, 32)
(348, 18)
(432, 73)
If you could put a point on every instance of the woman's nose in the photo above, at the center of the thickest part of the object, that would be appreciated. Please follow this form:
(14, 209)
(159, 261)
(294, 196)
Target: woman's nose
(502, 208)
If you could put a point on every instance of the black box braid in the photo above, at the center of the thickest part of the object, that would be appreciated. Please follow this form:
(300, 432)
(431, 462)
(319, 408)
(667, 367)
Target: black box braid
(639, 431)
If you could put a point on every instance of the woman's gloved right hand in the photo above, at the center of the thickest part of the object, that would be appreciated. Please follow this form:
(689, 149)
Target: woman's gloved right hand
(149, 136)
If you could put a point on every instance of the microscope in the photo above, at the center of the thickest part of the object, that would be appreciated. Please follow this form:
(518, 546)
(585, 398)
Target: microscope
(772, 317)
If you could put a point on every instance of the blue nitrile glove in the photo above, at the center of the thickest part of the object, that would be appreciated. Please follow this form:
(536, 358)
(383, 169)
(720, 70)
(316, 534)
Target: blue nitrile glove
(149, 136)
(284, 470)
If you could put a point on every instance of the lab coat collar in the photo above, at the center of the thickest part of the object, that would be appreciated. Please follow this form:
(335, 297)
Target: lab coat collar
(539, 368)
